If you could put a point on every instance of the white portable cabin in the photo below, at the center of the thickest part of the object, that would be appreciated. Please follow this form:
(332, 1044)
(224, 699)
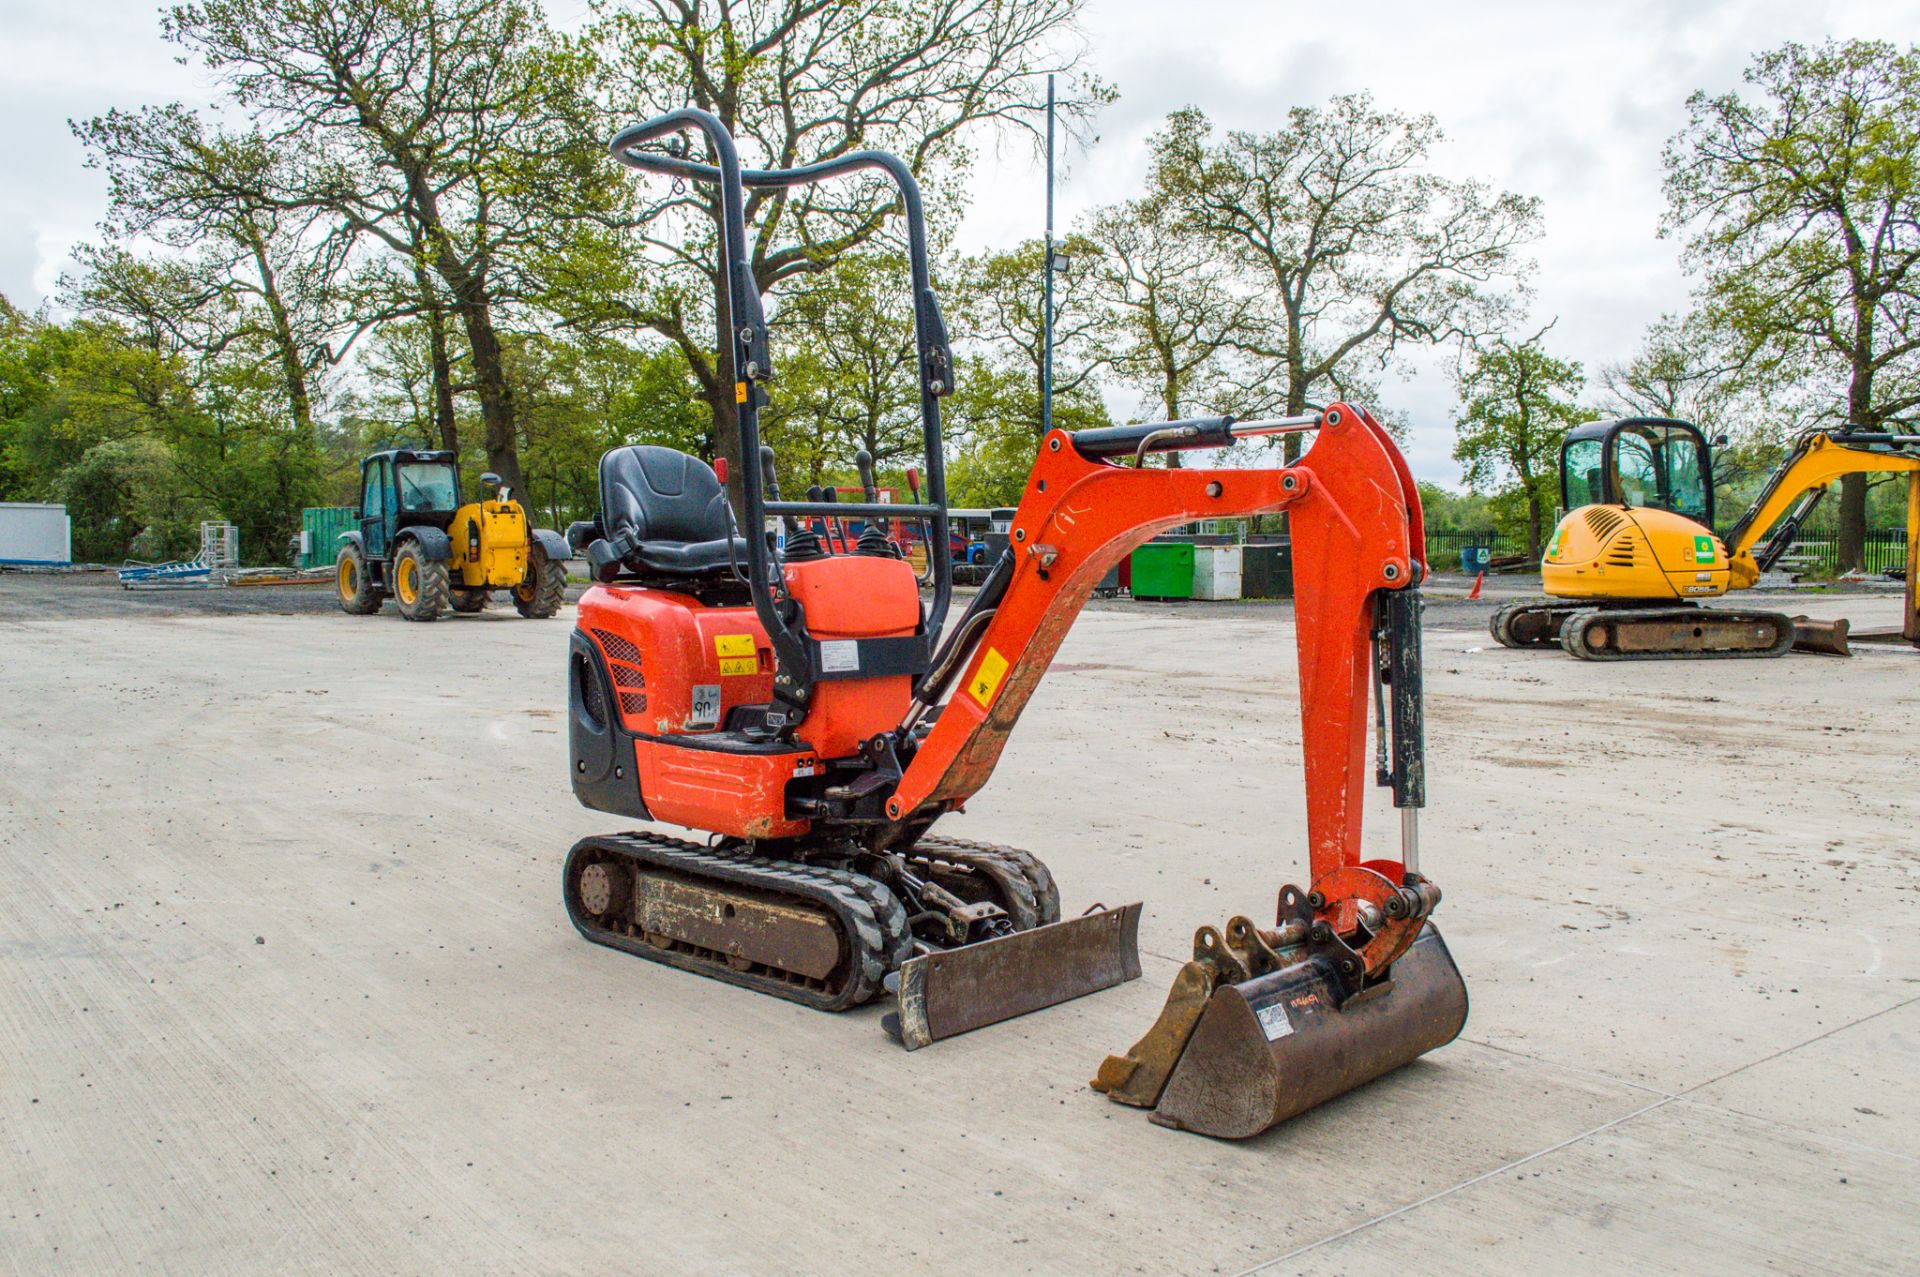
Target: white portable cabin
(33, 533)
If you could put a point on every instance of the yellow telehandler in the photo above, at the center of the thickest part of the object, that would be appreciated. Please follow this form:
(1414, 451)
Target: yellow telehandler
(419, 544)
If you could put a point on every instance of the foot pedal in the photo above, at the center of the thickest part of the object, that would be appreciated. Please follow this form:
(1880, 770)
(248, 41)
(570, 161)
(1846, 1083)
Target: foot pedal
(959, 990)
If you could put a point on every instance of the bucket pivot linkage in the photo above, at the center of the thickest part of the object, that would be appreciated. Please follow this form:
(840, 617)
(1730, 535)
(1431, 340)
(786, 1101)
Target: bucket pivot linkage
(1351, 982)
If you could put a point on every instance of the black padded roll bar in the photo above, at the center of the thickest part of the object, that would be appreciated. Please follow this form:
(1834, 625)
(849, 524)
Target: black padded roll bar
(797, 662)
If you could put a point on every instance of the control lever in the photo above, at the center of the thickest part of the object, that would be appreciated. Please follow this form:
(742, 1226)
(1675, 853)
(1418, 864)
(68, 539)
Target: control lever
(771, 483)
(863, 462)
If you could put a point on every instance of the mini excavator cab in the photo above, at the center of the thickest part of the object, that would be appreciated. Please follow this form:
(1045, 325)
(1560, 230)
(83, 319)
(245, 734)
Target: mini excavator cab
(1643, 463)
(801, 705)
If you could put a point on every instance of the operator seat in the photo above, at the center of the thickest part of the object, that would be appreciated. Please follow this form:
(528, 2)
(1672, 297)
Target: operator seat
(663, 513)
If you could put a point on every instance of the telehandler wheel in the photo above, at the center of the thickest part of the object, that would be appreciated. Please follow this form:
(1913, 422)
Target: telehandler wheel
(544, 589)
(419, 584)
(470, 601)
(352, 586)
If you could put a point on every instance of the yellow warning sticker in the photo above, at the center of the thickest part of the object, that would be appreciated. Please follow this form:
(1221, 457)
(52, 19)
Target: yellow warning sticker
(986, 679)
(739, 392)
(736, 653)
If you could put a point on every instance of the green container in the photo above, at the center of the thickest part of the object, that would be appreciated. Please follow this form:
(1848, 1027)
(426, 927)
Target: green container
(320, 529)
(1163, 570)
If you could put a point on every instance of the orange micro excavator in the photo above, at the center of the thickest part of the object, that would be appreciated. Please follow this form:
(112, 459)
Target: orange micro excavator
(796, 700)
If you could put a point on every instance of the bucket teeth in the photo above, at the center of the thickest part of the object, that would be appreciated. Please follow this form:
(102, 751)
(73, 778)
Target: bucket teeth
(1138, 1077)
(1232, 1058)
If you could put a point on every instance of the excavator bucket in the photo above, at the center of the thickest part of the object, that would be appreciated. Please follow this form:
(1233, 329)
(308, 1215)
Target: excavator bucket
(1256, 1034)
(1231, 1060)
(957, 990)
(1828, 638)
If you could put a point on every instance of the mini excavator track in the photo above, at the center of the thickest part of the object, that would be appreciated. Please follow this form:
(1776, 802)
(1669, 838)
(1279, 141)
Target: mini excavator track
(821, 935)
(825, 938)
(1669, 633)
(1015, 880)
(1631, 630)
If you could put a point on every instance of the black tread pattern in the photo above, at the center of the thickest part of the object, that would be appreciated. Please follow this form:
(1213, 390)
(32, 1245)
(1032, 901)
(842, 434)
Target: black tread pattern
(367, 600)
(549, 586)
(435, 586)
(871, 920)
(1500, 624)
(1041, 893)
(1573, 634)
(467, 602)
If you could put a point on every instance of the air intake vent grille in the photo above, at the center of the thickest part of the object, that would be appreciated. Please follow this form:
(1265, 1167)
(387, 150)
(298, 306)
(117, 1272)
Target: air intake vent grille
(623, 662)
(617, 648)
(1604, 522)
(1621, 554)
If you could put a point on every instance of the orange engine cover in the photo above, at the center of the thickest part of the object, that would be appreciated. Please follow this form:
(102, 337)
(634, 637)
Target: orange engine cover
(679, 669)
(844, 598)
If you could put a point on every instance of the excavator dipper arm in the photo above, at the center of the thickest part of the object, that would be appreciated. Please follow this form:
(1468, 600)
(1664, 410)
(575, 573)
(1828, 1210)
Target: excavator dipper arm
(1350, 981)
(1817, 459)
(1356, 530)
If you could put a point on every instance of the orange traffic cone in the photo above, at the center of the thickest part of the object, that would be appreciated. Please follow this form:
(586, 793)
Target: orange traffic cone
(1475, 593)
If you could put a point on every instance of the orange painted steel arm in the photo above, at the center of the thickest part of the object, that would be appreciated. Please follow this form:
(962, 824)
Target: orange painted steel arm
(1356, 526)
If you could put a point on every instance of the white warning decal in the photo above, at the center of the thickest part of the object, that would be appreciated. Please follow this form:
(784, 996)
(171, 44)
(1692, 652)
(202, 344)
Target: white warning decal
(1274, 1022)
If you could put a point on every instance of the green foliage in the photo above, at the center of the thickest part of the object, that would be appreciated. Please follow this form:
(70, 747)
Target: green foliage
(1799, 201)
(1517, 404)
(1449, 511)
(1347, 241)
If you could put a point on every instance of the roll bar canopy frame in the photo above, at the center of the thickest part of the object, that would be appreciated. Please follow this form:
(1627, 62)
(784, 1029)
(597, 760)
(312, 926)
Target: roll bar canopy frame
(797, 656)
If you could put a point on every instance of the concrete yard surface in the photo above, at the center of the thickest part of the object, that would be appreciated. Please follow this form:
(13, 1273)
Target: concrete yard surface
(286, 985)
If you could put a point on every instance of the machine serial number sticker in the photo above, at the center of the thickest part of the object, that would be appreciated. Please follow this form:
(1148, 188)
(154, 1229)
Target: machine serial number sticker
(1703, 549)
(736, 654)
(1274, 1022)
(706, 706)
(986, 680)
(840, 656)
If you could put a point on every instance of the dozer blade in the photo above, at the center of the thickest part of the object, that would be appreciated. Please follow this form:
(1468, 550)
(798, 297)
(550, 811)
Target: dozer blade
(958, 990)
(1263, 1050)
(1826, 637)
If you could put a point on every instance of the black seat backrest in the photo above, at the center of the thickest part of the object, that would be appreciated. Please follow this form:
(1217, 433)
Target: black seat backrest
(660, 494)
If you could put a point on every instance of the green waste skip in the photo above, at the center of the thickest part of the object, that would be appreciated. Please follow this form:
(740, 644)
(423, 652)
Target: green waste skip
(1163, 570)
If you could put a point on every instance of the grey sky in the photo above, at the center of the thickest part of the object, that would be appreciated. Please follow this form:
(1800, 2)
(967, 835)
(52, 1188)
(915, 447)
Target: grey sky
(1567, 101)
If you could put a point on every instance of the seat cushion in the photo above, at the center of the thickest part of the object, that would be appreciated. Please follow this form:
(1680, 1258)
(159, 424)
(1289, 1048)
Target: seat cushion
(688, 558)
(667, 510)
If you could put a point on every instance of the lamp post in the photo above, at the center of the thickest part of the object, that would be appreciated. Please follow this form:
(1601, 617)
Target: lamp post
(1046, 271)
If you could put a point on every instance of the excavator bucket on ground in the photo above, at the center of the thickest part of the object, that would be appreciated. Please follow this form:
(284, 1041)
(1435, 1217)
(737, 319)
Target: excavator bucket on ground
(1234, 1053)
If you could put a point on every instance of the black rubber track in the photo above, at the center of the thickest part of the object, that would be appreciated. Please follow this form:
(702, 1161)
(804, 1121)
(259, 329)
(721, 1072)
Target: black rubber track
(1573, 631)
(871, 921)
(1046, 895)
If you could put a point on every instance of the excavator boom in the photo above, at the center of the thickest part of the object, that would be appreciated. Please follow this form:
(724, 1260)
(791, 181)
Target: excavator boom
(1351, 981)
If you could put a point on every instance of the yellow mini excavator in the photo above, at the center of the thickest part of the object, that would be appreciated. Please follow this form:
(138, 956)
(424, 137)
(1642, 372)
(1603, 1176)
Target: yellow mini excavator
(1628, 564)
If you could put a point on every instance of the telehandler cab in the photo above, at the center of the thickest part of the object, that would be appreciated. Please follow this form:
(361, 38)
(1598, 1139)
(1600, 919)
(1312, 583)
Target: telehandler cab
(420, 545)
(814, 720)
